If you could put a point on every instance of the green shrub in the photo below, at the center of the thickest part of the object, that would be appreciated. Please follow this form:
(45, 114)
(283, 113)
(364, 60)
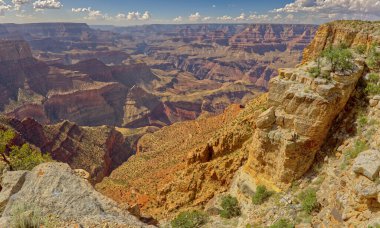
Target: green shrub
(361, 49)
(373, 87)
(315, 71)
(189, 219)
(19, 158)
(362, 121)
(308, 199)
(359, 146)
(340, 58)
(230, 206)
(26, 158)
(282, 223)
(373, 59)
(261, 195)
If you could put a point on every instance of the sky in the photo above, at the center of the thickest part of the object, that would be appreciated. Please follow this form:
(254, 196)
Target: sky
(135, 12)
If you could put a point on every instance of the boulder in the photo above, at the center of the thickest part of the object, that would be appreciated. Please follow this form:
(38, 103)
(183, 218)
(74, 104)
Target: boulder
(11, 184)
(368, 164)
(55, 189)
(266, 119)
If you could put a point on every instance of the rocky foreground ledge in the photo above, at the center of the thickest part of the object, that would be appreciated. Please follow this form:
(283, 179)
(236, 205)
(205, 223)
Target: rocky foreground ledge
(55, 194)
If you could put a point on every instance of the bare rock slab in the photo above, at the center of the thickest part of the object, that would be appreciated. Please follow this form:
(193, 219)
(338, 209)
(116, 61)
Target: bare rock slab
(368, 164)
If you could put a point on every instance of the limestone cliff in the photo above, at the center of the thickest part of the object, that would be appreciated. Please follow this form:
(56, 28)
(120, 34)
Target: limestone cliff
(351, 33)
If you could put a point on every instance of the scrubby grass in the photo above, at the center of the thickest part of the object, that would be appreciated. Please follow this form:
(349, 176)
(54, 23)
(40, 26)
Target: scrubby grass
(315, 71)
(359, 146)
(261, 195)
(230, 206)
(282, 223)
(373, 87)
(308, 199)
(24, 216)
(360, 49)
(373, 59)
(189, 219)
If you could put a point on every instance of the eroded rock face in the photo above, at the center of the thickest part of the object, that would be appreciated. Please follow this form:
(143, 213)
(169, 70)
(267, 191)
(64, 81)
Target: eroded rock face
(184, 165)
(54, 189)
(350, 33)
(303, 109)
(98, 150)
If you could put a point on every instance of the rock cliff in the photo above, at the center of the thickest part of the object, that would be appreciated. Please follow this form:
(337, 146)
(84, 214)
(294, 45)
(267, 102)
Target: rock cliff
(98, 150)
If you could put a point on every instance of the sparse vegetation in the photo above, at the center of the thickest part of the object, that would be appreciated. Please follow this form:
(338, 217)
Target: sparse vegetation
(362, 120)
(20, 158)
(360, 49)
(189, 219)
(282, 223)
(315, 71)
(24, 216)
(26, 158)
(230, 206)
(308, 199)
(261, 195)
(359, 146)
(373, 59)
(373, 87)
(340, 58)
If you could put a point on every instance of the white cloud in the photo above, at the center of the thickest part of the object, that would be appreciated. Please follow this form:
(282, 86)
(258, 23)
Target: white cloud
(19, 3)
(4, 8)
(259, 17)
(178, 19)
(47, 4)
(91, 14)
(195, 17)
(146, 16)
(96, 15)
(79, 10)
(333, 7)
(241, 17)
(134, 16)
(224, 18)
(207, 19)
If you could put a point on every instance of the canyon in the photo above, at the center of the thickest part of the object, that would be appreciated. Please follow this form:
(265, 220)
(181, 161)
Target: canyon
(158, 120)
(140, 76)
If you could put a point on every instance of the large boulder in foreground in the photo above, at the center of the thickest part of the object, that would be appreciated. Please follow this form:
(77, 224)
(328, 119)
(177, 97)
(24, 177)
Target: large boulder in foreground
(55, 190)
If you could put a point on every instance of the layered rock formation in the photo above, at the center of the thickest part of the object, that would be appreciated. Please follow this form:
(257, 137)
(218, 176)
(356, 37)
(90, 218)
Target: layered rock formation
(301, 111)
(184, 165)
(302, 108)
(98, 150)
(350, 33)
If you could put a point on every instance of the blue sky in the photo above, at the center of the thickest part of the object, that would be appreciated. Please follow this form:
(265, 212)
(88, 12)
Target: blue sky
(131, 12)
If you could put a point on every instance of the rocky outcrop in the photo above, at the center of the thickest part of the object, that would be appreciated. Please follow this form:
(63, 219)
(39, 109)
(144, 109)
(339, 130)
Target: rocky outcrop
(301, 112)
(97, 104)
(16, 60)
(350, 33)
(54, 190)
(304, 108)
(98, 150)
(184, 165)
